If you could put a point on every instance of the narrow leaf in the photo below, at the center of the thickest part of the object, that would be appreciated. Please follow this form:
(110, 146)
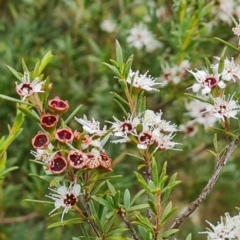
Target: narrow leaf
(126, 199)
(227, 44)
(119, 54)
(14, 100)
(154, 171)
(102, 201)
(15, 73)
(111, 188)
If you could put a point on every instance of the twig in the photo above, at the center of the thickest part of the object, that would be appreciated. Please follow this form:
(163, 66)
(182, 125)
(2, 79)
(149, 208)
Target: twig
(221, 163)
(128, 223)
(18, 219)
(90, 221)
(148, 163)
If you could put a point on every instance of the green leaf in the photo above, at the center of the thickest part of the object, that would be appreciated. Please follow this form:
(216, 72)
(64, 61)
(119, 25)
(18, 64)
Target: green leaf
(36, 69)
(143, 221)
(121, 106)
(189, 237)
(152, 205)
(117, 96)
(198, 98)
(103, 202)
(72, 114)
(154, 171)
(142, 182)
(212, 152)
(37, 201)
(128, 66)
(56, 180)
(45, 60)
(169, 233)
(222, 131)
(119, 54)
(30, 114)
(210, 70)
(168, 211)
(126, 199)
(116, 230)
(163, 176)
(97, 188)
(116, 199)
(139, 194)
(46, 178)
(67, 222)
(14, 100)
(111, 188)
(221, 62)
(114, 63)
(4, 172)
(141, 103)
(227, 44)
(84, 232)
(114, 69)
(15, 73)
(25, 69)
(138, 207)
(108, 223)
(215, 142)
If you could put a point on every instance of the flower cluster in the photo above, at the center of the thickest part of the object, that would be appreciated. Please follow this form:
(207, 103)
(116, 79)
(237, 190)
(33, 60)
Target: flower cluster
(227, 228)
(62, 149)
(140, 37)
(212, 84)
(174, 74)
(146, 130)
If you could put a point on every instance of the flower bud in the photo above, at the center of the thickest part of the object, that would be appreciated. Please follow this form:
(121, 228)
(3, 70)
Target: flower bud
(105, 162)
(64, 135)
(77, 159)
(57, 105)
(58, 164)
(40, 141)
(48, 121)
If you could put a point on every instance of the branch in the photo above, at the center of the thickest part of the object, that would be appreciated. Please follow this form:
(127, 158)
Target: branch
(128, 223)
(194, 205)
(18, 219)
(90, 221)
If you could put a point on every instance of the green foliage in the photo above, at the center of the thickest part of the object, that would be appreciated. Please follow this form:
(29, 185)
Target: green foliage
(73, 32)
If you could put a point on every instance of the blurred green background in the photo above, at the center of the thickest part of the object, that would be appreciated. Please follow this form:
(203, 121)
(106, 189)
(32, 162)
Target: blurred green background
(73, 30)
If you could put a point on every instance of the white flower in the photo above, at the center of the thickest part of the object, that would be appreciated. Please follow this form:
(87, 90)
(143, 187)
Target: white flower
(65, 197)
(206, 82)
(154, 121)
(236, 30)
(142, 81)
(227, 229)
(108, 26)
(225, 10)
(91, 127)
(123, 128)
(141, 37)
(189, 129)
(145, 139)
(197, 110)
(27, 88)
(174, 73)
(231, 70)
(44, 155)
(223, 108)
(164, 141)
